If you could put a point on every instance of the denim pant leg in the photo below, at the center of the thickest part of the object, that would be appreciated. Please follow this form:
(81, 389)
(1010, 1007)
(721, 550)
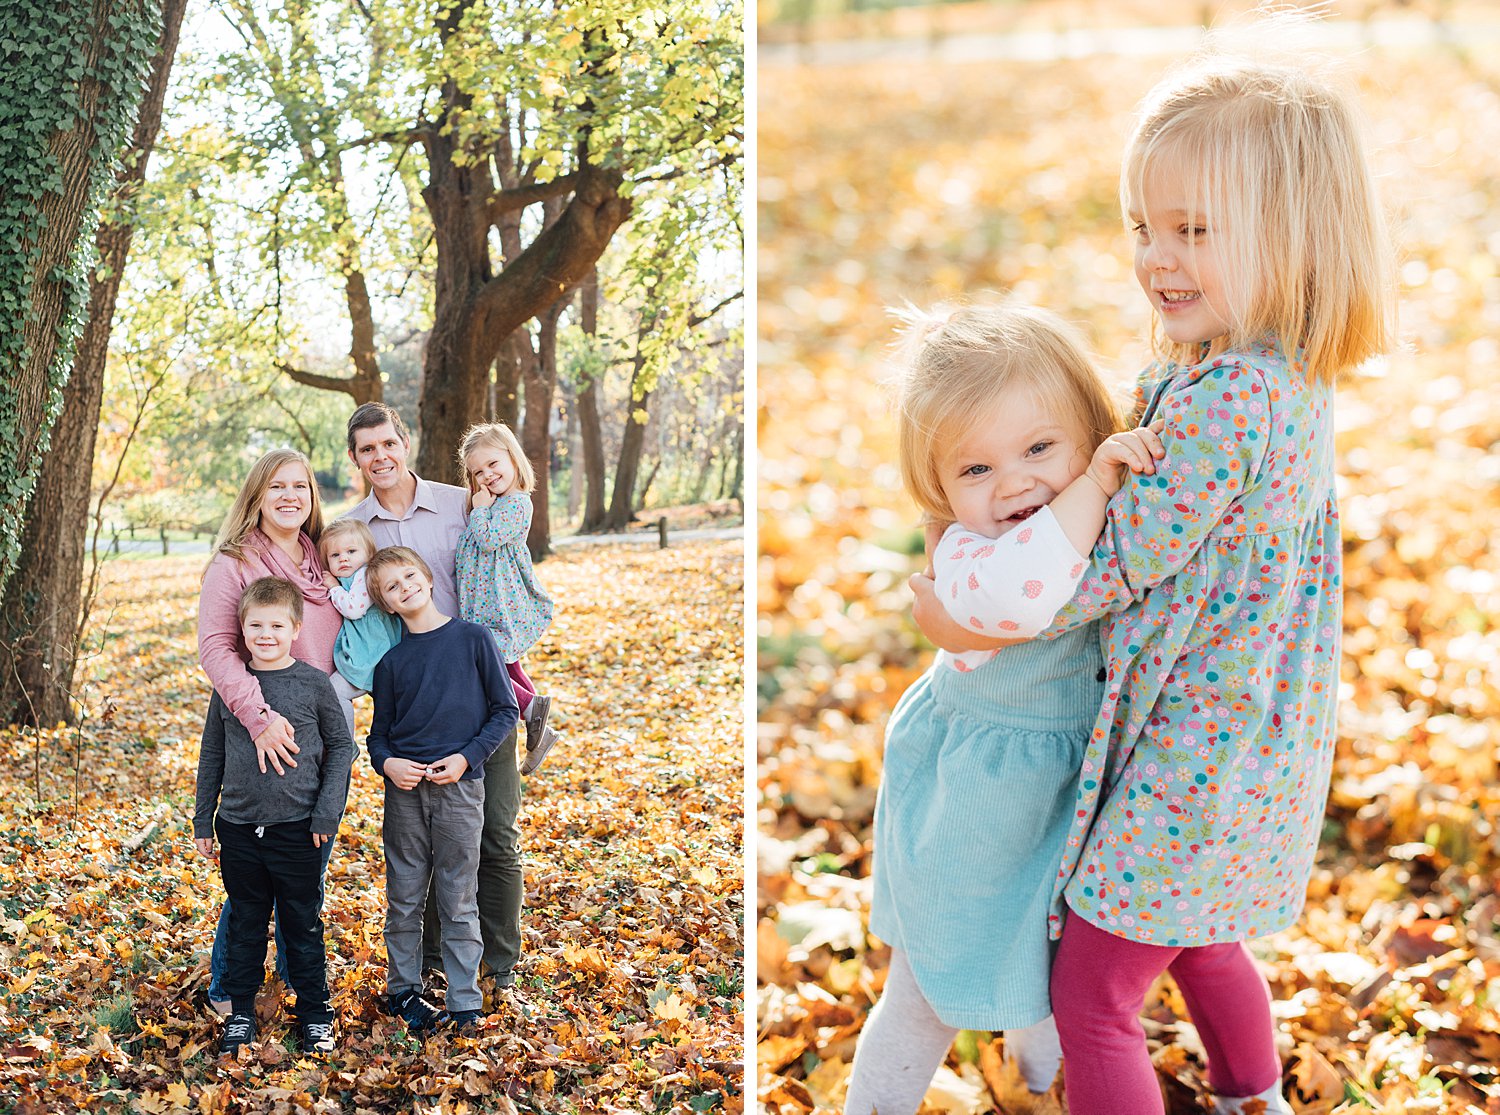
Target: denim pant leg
(501, 887)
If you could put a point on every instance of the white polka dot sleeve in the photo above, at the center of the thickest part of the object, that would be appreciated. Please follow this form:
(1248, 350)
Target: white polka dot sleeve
(1006, 587)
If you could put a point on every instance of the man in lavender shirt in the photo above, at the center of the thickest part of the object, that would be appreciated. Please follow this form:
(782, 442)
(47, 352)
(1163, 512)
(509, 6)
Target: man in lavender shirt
(403, 509)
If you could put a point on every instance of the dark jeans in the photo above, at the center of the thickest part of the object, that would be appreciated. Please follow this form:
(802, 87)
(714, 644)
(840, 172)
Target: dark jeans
(278, 867)
(500, 883)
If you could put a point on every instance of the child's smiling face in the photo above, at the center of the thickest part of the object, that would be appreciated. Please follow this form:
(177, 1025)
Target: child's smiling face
(405, 589)
(269, 632)
(1177, 260)
(492, 468)
(1010, 464)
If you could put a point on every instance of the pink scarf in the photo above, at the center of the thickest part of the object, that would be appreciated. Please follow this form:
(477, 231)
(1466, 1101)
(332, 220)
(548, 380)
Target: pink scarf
(307, 576)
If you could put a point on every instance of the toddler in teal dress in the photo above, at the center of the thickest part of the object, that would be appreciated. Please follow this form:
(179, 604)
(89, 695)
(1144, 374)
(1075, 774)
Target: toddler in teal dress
(346, 546)
(1007, 432)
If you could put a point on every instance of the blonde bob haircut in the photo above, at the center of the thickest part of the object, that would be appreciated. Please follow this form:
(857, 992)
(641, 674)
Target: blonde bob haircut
(244, 513)
(342, 528)
(1271, 160)
(392, 556)
(496, 435)
(959, 368)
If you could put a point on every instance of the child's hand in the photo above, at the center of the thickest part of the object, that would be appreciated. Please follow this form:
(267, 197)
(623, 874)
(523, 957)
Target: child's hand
(321, 838)
(1137, 450)
(205, 846)
(448, 770)
(482, 498)
(404, 773)
(276, 745)
(329, 580)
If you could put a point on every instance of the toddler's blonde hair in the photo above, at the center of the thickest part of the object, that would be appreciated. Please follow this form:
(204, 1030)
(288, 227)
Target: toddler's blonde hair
(496, 435)
(340, 528)
(957, 363)
(1272, 158)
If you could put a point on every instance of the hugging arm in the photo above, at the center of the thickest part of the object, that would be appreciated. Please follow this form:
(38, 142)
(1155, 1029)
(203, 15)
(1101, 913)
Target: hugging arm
(1156, 526)
(987, 594)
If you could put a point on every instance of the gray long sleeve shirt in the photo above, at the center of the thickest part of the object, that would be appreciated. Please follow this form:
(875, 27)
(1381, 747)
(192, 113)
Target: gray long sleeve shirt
(315, 788)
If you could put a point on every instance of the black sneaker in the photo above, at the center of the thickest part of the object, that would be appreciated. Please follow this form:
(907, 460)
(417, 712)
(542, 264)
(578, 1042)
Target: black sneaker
(467, 1021)
(419, 1015)
(316, 1037)
(239, 1029)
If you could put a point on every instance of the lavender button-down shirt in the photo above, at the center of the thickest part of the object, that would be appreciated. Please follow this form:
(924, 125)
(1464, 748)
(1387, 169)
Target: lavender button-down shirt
(431, 526)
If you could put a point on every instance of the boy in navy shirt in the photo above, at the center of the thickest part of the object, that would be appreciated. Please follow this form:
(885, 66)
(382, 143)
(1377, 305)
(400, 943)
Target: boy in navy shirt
(443, 704)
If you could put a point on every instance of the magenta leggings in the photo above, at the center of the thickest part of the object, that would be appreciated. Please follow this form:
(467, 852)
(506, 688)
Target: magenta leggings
(522, 685)
(1099, 985)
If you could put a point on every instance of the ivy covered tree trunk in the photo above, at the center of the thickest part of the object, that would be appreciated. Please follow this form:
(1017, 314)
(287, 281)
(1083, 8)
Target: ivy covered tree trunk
(40, 618)
(622, 499)
(75, 71)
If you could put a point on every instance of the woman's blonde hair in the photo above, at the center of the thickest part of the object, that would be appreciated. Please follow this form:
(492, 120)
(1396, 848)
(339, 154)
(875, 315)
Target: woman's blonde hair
(499, 436)
(244, 513)
(1271, 158)
(339, 528)
(959, 363)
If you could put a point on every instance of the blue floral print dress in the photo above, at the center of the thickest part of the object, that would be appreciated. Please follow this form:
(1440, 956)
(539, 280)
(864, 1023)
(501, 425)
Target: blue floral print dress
(1202, 790)
(497, 586)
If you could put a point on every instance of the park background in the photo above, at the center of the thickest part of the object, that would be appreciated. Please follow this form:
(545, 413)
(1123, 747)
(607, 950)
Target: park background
(226, 224)
(929, 152)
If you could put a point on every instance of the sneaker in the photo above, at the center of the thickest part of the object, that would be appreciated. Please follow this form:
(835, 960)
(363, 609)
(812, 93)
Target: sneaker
(537, 751)
(536, 718)
(419, 1015)
(316, 1037)
(239, 1029)
(467, 1021)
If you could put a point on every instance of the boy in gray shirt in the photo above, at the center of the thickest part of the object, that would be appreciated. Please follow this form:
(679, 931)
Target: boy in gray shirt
(271, 828)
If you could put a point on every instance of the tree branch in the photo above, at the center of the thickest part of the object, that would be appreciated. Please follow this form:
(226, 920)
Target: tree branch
(698, 319)
(313, 379)
(722, 160)
(508, 201)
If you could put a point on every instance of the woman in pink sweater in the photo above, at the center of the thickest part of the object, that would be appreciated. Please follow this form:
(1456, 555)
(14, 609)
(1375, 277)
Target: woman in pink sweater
(271, 531)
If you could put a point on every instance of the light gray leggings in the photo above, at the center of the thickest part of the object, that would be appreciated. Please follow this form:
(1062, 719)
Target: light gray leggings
(903, 1043)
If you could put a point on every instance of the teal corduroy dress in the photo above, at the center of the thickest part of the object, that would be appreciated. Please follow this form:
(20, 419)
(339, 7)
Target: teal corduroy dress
(976, 801)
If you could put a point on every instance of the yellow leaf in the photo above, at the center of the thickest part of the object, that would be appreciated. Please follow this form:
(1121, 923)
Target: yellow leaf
(571, 41)
(672, 1007)
(177, 1094)
(20, 986)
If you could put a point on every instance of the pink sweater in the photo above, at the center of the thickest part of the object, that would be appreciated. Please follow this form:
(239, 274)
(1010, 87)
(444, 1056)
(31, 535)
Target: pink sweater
(221, 647)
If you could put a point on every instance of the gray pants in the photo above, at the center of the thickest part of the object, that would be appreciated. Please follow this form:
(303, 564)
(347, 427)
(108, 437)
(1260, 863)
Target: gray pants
(431, 835)
(501, 885)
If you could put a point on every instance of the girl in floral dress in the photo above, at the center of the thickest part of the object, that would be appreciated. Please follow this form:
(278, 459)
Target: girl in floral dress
(497, 586)
(1261, 247)
(1006, 429)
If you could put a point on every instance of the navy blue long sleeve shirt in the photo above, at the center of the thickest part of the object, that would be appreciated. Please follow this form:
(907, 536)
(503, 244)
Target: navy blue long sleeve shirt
(439, 693)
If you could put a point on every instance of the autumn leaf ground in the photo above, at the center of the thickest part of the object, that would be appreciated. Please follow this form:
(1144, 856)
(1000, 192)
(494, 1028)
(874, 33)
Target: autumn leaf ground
(630, 995)
(894, 181)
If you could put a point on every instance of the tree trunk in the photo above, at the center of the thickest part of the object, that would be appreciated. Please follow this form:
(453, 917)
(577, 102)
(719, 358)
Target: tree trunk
(536, 433)
(80, 73)
(39, 612)
(590, 432)
(622, 499)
